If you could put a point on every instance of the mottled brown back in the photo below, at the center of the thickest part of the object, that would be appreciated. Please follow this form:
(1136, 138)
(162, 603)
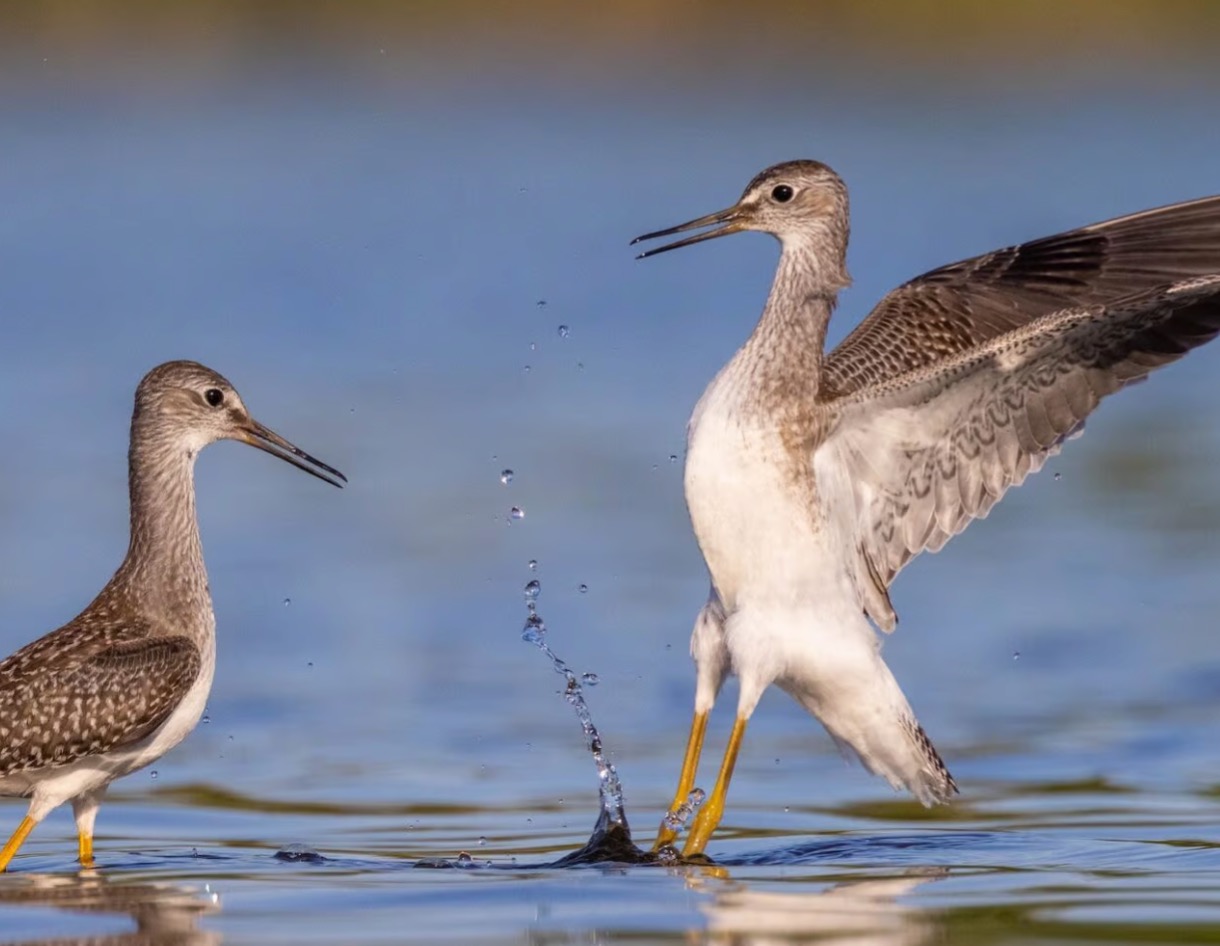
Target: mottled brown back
(956, 307)
(88, 688)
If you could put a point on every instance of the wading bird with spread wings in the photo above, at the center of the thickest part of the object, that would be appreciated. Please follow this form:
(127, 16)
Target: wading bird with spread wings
(813, 477)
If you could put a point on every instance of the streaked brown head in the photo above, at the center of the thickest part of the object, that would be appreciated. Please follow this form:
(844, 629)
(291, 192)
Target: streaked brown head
(192, 406)
(796, 202)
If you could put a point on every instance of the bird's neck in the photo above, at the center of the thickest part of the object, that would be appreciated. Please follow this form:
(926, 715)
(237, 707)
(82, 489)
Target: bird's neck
(163, 573)
(785, 350)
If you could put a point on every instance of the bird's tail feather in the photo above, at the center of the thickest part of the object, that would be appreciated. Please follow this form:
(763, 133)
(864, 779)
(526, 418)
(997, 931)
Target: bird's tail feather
(872, 721)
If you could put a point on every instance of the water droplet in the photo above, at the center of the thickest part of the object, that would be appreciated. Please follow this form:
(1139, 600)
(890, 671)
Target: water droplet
(533, 588)
(464, 859)
(532, 564)
(287, 601)
(541, 303)
(1016, 655)
(482, 842)
(580, 366)
(1057, 475)
(590, 679)
(673, 458)
(528, 369)
(153, 773)
(310, 664)
(677, 817)
(786, 808)
(583, 589)
(564, 331)
(506, 476)
(516, 513)
(534, 628)
(533, 346)
(206, 719)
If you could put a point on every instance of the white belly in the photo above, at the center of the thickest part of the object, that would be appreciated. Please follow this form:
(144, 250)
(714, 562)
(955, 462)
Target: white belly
(777, 545)
(774, 554)
(753, 514)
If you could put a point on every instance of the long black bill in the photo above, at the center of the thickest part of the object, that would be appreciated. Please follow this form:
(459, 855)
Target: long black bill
(728, 221)
(267, 439)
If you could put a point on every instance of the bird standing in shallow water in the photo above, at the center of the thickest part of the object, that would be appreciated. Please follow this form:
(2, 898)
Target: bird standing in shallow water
(122, 683)
(813, 478)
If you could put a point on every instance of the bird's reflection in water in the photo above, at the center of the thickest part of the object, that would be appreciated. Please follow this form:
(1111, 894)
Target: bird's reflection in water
(856, 913)
(164, 915)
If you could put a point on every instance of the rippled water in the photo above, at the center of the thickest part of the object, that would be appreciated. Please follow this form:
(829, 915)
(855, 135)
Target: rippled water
(429, 286)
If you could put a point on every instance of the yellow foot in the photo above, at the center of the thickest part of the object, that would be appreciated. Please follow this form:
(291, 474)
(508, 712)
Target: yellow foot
(686, 781)
(713, 809)
(18, 838)
(85, 849)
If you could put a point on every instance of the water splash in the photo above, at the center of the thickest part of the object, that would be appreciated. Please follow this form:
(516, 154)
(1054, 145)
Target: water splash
(299, 854)
(676, 818)
(610, 789)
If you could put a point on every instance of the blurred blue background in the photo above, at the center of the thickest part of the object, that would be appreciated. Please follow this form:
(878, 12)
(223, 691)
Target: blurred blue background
(375, 218)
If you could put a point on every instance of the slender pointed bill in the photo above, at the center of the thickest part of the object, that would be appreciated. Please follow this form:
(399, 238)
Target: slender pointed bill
(729, 221)
(267, 439)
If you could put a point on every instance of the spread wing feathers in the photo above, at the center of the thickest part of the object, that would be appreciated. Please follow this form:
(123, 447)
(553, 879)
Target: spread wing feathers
(916, 458)
(79, 692)
(960, 306)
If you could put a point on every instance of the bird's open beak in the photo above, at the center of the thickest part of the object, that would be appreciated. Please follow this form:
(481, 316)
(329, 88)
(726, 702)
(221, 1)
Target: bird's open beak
(725, 222)
(256, 435)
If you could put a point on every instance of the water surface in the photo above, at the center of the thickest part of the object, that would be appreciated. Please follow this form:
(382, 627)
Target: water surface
(382, 267)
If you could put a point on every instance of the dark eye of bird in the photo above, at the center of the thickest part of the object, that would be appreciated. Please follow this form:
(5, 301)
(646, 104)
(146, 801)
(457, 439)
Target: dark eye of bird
(781, 194)
(214, 396)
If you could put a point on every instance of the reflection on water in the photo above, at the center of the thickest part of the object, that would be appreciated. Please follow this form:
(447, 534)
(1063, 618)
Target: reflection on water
(164, 915)
(854, 913)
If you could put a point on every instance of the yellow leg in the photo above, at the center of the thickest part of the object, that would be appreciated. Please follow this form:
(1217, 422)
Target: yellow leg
(712, 810)
(18, 838)
(85, 849)
(686, 781)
